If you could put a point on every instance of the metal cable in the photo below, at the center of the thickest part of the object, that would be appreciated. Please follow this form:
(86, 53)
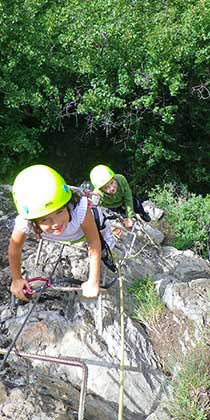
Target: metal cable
(42, 290)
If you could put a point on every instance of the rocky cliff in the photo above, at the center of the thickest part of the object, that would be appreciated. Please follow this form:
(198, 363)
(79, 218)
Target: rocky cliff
(63, 324)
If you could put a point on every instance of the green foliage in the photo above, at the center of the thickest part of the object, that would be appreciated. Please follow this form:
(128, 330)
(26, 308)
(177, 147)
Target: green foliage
(188, 216)
(18, 141)
(191, 387)
(148, 303)
(139, 71)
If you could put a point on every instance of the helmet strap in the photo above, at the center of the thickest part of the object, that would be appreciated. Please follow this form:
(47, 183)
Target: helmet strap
(36, 228)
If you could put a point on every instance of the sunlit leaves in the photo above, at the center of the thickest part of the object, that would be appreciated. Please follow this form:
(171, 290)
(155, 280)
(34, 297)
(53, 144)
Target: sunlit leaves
(129, 66)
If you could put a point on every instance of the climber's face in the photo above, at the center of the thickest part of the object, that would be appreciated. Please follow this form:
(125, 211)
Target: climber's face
(55, 222)
(110, 187)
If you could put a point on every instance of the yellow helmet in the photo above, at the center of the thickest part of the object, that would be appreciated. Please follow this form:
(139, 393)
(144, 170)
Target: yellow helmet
(100, 175)
(39, 190)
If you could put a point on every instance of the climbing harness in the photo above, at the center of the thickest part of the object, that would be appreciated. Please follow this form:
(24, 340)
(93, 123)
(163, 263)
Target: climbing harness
(61, 361)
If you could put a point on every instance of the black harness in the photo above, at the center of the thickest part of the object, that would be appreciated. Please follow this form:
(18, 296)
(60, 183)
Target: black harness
(106, 254)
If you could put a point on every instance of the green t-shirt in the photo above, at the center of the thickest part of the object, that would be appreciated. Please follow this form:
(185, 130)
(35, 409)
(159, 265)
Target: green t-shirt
(122, 198)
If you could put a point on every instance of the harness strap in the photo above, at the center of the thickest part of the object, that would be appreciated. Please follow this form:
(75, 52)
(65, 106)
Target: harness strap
(106, 255)
(99, 225)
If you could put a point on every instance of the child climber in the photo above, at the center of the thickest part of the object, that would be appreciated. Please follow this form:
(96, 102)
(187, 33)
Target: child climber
(116, 194)
(47, 205)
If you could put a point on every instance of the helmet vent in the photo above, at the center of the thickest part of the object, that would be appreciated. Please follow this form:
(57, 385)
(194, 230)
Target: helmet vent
(26, 210)
(48, 204)
(65, 187)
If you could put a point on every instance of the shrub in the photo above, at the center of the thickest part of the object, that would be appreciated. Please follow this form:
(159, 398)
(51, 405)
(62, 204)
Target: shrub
(188, 215)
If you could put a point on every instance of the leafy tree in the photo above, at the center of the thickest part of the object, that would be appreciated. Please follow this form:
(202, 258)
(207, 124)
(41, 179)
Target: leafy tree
(137, 70)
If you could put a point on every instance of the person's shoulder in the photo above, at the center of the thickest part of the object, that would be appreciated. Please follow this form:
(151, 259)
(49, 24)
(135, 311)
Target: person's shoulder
(120, 177)
(80, 203)
(83, 202)
(22, 224)
(80, 209)
(20, 219)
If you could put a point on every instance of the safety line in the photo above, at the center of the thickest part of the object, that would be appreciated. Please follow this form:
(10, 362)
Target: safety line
(127, 255)
(42, 290)
(122, 344)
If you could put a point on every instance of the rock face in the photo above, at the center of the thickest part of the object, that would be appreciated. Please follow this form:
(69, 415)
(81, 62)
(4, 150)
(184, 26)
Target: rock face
(65, 324)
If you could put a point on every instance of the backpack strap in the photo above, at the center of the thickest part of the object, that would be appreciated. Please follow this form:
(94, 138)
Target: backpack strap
(97, 219)
(106, 254)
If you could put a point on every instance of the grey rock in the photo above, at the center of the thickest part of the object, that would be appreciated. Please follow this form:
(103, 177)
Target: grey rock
(68, 325)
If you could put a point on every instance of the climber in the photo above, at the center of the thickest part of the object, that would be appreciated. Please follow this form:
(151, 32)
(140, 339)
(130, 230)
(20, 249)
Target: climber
(47, 206)
(116, 194)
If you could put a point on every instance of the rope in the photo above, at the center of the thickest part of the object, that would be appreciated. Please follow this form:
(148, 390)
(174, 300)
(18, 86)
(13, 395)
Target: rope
(122, 343)
(122, 325)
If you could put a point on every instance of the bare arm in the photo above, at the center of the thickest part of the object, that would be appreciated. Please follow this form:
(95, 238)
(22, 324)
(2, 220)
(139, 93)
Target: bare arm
(91, 287)
(14, 252)
(128, 223)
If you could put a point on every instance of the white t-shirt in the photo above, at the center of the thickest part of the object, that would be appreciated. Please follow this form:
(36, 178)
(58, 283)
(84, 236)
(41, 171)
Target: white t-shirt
(73, 231)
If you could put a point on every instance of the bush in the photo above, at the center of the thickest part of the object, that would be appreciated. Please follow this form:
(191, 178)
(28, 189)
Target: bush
(188, 215)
